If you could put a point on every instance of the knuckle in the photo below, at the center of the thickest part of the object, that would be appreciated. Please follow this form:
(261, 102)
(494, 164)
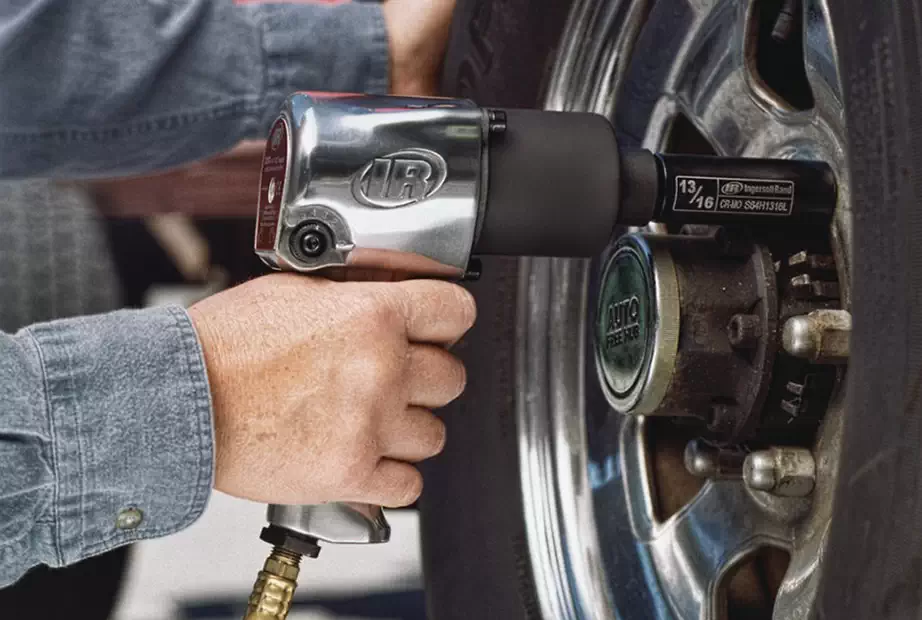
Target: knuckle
(388, 305)
(372, 311)
(374, 371)
(385, 315)
(357, 466)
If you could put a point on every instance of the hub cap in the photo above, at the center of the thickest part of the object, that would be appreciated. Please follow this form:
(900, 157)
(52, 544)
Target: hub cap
(637, 325)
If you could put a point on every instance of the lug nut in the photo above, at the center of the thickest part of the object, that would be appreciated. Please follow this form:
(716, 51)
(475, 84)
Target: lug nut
(822, 336)
(744, 331)
(786, 472)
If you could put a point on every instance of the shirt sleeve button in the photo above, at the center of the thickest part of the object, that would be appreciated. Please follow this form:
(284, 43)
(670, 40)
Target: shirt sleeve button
(129, 519)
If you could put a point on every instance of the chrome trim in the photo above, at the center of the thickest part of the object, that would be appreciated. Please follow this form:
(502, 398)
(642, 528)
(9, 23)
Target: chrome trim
(341, 523)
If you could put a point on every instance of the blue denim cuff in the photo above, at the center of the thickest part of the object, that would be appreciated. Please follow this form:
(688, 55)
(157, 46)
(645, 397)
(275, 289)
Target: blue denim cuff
(130, 421)
(340, 48)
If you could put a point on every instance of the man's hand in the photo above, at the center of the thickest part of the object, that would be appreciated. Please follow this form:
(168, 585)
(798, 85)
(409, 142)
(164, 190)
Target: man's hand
(322, 389)
(418, 33)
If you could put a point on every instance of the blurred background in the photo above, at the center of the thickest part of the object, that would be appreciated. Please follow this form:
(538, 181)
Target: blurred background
(69, 249)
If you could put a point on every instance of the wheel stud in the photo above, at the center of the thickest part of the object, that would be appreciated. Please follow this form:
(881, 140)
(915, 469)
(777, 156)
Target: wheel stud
(706, 461)
(806, 287)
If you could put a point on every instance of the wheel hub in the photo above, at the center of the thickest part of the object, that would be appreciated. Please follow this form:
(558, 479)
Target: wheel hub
(637, 325)
(598, 545)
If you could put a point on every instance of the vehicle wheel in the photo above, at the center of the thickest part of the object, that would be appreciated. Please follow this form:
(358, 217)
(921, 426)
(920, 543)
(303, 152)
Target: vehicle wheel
(548, 504)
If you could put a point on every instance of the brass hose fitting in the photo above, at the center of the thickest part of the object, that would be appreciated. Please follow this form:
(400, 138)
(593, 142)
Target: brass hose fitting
(275, 586)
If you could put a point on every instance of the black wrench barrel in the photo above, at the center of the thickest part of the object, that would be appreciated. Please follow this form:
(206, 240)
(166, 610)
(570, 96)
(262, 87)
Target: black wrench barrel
(559, 185)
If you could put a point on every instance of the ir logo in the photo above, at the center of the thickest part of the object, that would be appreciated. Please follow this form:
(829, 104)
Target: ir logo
(400, 179)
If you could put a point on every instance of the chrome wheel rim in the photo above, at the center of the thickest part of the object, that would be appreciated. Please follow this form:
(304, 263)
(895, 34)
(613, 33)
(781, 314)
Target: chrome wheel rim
(596, 547)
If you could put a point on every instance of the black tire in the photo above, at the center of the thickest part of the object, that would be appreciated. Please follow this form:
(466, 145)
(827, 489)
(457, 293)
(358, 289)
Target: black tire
(474, 550)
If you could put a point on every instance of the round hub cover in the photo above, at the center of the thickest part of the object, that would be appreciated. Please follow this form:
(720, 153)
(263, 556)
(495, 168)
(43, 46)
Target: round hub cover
(637, 325)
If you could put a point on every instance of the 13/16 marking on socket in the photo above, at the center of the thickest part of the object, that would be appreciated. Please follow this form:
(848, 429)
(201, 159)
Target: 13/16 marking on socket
(700, 194)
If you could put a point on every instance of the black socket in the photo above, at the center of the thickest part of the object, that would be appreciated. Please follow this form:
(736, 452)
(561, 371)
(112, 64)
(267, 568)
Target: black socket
(553, 184)
(697, 189)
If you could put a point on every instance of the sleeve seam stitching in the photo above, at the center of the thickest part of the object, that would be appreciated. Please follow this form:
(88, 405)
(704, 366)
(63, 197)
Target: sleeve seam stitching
(112, 132)
(55, 519)
(198, 498)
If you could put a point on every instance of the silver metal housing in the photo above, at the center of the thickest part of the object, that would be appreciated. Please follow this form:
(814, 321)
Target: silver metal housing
(342, 523)
(395, 182)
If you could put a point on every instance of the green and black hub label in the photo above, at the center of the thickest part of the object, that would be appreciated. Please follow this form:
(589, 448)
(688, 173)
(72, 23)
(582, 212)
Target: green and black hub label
(622, 325)
(623, 322)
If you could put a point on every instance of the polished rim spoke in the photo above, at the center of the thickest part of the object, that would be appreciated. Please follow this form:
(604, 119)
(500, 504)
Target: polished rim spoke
(595, 55)
(715, 87)
(692, 550)
(820, 57)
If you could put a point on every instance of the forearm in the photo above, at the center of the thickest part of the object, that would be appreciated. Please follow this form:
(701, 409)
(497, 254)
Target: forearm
(102, 420)
(102, 88)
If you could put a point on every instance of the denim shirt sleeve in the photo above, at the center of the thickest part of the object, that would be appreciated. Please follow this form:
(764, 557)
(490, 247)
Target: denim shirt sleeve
(94, 88)
(105, 435)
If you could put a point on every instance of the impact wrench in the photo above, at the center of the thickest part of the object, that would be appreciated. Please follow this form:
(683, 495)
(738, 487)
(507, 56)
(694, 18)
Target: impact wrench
(422, 186)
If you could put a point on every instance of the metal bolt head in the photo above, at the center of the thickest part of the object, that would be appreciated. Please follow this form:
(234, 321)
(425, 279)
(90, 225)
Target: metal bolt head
(497, 121)
(723, 418)
(744, 331)
(786, 472)
(313, 244)
(311, 240)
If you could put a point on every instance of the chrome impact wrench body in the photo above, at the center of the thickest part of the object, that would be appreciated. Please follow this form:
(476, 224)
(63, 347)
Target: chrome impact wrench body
(423, 186)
